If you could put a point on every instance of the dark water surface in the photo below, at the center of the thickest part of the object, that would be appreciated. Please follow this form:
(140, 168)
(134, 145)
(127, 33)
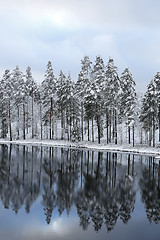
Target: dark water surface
(59, 193)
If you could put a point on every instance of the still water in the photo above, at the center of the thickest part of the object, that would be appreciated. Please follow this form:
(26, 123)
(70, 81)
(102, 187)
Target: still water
(59, 193)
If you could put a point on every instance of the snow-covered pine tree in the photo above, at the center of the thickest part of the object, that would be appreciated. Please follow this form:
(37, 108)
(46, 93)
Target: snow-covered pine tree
(8, 92)
(31, 88)
(68, 100)
(82, 85)
(112, 93)
(19, 95)
(38, 100)
(71, 110)
(75, 113)
(157, 96)
(89, 105)
(139, 124)
(149, 111)
(98, 79)
(4, 103)
(48, 88)
(61, 98)
(128, 101)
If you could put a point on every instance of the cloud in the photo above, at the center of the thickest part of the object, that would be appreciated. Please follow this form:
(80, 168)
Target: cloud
(93, 13)
(34, 32)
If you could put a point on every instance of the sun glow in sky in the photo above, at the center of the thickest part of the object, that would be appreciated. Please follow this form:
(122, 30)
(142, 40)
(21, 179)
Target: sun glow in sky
(59, 19)
(59, 228)
(34, 32)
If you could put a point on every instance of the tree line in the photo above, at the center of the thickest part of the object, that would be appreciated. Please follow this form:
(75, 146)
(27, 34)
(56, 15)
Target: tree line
(99, 105)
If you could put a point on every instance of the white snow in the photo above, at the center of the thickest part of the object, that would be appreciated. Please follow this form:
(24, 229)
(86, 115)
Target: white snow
(89, 145)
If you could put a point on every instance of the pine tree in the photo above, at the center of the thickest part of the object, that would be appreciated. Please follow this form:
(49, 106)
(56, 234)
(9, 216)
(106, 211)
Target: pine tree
(8, 91)
(157, 96)
(38, 99)
(128, 100)
(48, 98)
(149, 111)
(112, 92)
(68, 104)
(98, 78)
(83, 83)
(19, 97)
(3, 105)
(71, 110)
(31, 93)
(89, 105)
(61, 84)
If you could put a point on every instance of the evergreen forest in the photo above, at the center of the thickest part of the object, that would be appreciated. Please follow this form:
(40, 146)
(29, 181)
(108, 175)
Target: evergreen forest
(99, 106)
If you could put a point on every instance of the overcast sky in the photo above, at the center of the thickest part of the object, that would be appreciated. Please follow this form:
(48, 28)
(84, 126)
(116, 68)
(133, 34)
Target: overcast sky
(64, 31)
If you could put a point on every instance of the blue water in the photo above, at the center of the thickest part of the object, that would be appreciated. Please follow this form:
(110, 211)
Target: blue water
(54, 193)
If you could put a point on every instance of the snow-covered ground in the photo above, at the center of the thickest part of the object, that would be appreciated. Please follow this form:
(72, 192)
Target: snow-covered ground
(89, 145)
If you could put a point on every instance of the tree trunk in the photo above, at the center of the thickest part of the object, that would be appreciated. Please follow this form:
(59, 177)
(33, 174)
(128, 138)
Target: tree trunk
(41, 119)
(61, 124)
(150, 136)
(110, 124)
(129, 134)
(146, 137)
(82, 120)
(24, 135)
(141, 137)
(18, 122)
(115, 115)
(153, 131)
(32, 115)
(88, 128)
(67, 127)
(3, 125)
(10, 126)
(52, 125)
(99, 129)
(92, 130)
(51, 113)
(133, 135)
(70, 124)
(159, 121)
(73, 117)
(113, 121)
(107, 125)
(27, 114)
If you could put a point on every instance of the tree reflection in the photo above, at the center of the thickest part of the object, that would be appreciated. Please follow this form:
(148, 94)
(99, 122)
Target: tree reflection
(102, 186)
(150, 189)
(16, 187)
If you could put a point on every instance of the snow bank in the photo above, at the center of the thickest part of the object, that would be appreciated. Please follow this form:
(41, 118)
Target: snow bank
(88, 145)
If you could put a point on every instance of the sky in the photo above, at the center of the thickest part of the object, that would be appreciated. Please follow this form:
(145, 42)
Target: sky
(34, 32)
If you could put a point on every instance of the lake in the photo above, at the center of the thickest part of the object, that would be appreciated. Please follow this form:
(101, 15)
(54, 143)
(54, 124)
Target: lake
(58, 193)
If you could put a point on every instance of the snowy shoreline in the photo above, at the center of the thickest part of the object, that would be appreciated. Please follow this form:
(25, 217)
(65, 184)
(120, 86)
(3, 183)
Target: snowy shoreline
(87, 145)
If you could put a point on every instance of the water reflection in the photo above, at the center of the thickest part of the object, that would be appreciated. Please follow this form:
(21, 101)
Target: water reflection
(150, 190)
(102, 186)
